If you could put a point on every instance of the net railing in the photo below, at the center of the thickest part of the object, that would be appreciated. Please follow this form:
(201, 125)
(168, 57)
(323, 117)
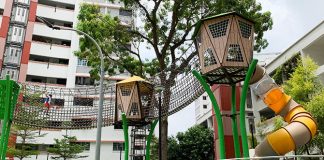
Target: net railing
(63, 108)
(77, 108)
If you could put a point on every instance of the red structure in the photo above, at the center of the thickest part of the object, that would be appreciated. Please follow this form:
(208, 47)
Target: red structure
(223, 96)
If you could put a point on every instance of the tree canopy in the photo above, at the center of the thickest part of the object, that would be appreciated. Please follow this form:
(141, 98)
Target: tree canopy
(66, 148)
(197, 143)
(303, 82)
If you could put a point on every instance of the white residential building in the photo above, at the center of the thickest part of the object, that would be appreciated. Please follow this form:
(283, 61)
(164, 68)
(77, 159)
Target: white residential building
(32, 52)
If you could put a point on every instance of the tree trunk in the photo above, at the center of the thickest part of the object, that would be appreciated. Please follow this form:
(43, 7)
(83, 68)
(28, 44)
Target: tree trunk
(164, 138)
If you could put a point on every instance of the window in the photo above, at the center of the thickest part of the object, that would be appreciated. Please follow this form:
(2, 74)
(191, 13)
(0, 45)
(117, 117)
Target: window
(125, 90)
(118, 146)
(84, 81)
(11, 52)
(20, 30)
(23, 12)
(82, 62)
(13, 73)
(18, 11)
(1, 11)
(134, 109)
(204, 97)
(218, 29)
(58, 102)
(15, 31)
(125, 12)
(78, 101)
(205, 106)
(234, 53)
(16, 54)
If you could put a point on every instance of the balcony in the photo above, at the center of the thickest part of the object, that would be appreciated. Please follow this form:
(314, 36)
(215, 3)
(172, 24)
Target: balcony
(50, 50)
(42, 30)
(71, 2)
(45, 69)
(55, 13)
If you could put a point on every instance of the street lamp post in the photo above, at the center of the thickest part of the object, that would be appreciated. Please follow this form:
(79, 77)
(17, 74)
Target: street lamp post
(102, 74)
(159, 89)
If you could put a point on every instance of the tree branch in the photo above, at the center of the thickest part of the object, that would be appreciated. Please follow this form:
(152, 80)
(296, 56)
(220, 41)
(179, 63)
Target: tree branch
(174, 23)
(142, 36)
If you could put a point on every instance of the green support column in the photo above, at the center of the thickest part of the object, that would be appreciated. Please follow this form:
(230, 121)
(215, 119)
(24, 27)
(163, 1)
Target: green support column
(242, 108)
(218, 115)
(149, 138)
(234, 124)
(7, 118)
(125, 128)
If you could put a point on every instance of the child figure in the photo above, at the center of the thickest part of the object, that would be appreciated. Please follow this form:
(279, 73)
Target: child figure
(47, 102)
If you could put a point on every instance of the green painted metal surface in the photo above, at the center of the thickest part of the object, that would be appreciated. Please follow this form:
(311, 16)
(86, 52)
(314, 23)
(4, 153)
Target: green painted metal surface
(242, 108)
(9, 91)
(149, 138)
(125, 128)
(234, 124)
(218, 115)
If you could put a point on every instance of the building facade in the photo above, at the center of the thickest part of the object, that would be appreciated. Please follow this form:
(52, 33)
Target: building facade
(33, 53)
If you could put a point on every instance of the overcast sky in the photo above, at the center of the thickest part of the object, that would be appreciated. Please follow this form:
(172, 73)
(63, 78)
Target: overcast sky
(292, 20)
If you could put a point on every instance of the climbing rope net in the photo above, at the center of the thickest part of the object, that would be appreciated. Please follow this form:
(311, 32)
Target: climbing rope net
(77, 108)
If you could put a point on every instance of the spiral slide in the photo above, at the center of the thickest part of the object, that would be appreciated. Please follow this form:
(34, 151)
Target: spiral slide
(301, 128)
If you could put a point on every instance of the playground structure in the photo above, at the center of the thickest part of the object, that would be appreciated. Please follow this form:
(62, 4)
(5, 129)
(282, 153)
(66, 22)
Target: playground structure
(225, 44)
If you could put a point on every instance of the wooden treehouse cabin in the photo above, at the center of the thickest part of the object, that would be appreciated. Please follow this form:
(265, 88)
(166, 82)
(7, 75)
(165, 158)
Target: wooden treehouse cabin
(133, 97)
(225, 46)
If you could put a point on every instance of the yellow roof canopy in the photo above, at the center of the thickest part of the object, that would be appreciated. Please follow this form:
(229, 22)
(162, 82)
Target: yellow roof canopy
(133, 79)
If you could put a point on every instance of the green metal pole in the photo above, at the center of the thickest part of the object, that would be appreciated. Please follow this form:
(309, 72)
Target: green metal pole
(7, 140)
(218, 116)
(149, 138)
(234, 124)
(5, 136)
(242, 108)
(125, 128)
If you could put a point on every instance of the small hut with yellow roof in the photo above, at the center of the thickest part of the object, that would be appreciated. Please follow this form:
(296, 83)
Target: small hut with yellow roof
(133, 97)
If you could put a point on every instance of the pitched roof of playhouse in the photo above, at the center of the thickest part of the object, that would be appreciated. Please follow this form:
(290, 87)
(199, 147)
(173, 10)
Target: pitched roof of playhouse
(199, 23)
(133, 79)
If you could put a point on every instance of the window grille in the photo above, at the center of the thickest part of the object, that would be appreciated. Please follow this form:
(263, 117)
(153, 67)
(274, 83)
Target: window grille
(125, 90)
(218, 29)
(234, 53)
(82, 62)
(134, 109)
(246, 29)
(209, 58)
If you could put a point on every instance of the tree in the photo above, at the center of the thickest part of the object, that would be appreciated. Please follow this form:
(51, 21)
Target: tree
(154, 148)
(197, 143)
(306, 89)
(66, 148)
(27, 134)
(166, 29)
(303, 83)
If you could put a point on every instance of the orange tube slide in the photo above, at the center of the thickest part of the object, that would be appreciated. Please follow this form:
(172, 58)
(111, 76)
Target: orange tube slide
(301, 128)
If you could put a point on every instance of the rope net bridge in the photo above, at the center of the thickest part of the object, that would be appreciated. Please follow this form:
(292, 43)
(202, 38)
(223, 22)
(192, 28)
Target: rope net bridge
(77, 108)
